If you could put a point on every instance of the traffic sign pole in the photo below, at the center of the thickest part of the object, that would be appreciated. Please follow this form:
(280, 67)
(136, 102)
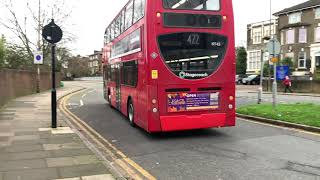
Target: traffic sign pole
(54, 92)
(261, 79)
(53, 34)
(274, 47)
(274, 87)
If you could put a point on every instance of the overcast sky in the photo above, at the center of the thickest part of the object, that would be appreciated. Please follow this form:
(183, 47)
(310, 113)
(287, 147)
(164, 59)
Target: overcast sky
(90, 18)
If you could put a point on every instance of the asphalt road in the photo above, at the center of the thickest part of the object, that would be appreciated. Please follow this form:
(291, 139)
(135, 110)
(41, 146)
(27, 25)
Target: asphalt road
(249, 151)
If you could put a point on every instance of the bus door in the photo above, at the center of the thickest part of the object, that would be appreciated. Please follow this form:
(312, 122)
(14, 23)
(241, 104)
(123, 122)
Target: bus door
(118, 86)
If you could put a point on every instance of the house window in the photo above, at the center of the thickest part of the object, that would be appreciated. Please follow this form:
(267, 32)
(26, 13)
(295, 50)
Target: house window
(282, 38)
(317, 34)
(290, 36)
(302, 35)
(302, 60)
(257, 37)
(317, 61)
(254, 60)
(294, 18)
(317, 13)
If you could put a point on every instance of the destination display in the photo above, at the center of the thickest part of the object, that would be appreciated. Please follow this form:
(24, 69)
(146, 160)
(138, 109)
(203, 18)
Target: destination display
(181, 102)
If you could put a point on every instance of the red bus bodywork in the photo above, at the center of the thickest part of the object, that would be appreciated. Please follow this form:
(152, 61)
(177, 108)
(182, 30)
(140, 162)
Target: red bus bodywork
(156, 81)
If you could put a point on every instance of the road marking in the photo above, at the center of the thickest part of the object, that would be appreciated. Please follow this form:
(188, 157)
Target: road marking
(124, 162)
(280, 127)
(81, 103)
(91, 91)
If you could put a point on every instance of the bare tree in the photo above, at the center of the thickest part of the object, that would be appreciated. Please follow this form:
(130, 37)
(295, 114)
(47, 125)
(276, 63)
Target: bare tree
(27, 29)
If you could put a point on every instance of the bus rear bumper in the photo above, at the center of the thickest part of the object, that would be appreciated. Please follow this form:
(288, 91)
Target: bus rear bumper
(183, 122)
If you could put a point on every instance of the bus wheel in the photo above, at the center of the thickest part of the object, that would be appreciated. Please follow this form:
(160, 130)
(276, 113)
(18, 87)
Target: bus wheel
(131, 113)
(109, 99)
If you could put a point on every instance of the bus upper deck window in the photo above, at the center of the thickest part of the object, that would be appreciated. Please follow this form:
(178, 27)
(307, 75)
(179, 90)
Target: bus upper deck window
(211, 5)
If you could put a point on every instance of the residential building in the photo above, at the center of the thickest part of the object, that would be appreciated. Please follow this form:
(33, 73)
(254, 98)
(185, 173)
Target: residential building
(95, 63)
(256, 45)
(299, 33)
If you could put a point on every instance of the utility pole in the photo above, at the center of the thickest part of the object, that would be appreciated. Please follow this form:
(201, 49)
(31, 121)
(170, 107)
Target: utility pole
(261, 78)
(269, 81)
(39, 46)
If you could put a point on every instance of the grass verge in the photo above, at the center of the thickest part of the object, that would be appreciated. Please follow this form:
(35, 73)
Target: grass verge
(306, 114)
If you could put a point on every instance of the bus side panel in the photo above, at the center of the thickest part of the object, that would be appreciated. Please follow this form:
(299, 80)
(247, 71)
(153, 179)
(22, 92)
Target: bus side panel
(154, 124)
(142, 90)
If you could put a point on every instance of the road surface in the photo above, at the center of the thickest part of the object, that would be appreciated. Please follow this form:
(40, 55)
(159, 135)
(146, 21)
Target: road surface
(249, 151)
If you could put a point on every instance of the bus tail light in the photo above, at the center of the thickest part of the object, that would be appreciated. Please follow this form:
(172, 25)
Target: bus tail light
(225, 18)
(154, 101)
(155, 110)
(158, 18)
(230, 106)
(231, 98)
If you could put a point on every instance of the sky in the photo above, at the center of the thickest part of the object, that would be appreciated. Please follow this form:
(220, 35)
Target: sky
(89, 18)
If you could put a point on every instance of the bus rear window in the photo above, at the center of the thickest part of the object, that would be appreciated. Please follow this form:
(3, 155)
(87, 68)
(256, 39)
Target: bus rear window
(191, 55)
(205, 5)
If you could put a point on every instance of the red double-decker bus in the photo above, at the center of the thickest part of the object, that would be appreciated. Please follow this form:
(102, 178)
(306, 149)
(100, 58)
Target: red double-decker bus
(169, 65)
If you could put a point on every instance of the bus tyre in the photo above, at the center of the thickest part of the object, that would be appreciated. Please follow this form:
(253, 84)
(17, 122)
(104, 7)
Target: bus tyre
(131, 113)
(109, 99)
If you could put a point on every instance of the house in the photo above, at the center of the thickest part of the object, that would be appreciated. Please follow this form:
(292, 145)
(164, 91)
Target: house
(299, 33)
(256, 45)
(94, 63)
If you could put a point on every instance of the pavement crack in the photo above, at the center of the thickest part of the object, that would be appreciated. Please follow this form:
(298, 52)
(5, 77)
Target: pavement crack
(303, 168)
(227, 153)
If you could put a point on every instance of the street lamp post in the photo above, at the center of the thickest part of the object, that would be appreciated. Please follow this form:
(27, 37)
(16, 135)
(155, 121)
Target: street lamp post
(261, 78)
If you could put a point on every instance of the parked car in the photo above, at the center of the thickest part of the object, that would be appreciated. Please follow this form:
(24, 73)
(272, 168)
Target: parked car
(239, 78)
(251, 80)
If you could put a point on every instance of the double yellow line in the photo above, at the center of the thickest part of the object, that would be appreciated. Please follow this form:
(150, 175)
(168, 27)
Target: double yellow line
(128, 166)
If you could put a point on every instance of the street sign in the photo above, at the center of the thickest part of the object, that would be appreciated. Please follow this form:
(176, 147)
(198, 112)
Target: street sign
(274, 47)
(282, 72)
(274, 60)
(38, 57)
(52, 33)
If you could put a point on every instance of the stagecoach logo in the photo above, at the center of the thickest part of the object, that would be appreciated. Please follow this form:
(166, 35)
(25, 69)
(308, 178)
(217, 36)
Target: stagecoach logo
(184, 75)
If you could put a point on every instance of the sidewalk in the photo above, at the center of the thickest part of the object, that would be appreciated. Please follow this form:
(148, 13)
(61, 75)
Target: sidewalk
(29, 150)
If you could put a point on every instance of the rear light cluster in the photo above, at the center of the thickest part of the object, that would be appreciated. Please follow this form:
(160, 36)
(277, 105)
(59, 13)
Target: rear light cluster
(231, 99)
(154, 103)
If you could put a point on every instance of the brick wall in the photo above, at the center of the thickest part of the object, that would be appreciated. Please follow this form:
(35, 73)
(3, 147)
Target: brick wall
(16, 83)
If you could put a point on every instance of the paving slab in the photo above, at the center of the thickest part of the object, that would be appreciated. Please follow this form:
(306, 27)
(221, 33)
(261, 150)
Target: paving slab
(6, 134)
(23, 148)
(24, 155)
(98, 177)
(76, 178)
(29, 142)
(70, 152)
(82, 170)
(22, 164)
(32, 174)
(60, 162)
(4, 138)
(72, 145)
(3, 118)
(25, 138)
(69, 161)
